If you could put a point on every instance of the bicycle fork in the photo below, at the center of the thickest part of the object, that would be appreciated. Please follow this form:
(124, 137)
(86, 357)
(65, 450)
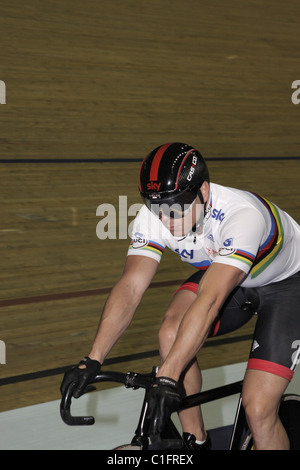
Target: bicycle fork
(241, 434)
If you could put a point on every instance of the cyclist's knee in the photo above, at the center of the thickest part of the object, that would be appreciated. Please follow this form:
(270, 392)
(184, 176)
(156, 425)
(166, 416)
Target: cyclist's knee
(261, 413)
(167, 333)
(261, 396)
(168, 330)
(172, 318)
(258, 410)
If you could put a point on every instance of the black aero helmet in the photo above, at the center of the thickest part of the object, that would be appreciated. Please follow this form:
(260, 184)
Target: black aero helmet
(172, 174)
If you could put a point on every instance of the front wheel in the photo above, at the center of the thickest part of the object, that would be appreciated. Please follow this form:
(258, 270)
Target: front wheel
(137, 443)
(128, 447)
(289, 413)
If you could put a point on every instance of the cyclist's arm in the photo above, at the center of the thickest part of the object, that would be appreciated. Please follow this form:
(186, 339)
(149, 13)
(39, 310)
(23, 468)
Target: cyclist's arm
(122, 303)
(215, 286)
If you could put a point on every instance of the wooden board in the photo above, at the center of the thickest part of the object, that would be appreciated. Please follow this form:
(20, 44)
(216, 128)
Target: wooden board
(110, 81)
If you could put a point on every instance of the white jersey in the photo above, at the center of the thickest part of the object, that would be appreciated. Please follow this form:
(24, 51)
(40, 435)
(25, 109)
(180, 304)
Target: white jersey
(240, 229)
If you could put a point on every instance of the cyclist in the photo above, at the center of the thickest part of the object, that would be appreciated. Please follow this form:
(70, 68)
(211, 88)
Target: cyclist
(246, 253)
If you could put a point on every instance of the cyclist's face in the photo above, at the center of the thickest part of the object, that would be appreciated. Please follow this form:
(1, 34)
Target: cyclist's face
(181, 223)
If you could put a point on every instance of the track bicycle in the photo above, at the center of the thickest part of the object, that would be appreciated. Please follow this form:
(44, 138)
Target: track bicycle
(170, 438)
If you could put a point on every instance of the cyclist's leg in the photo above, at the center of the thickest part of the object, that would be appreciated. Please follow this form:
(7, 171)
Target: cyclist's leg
(236, 312)
(191, 419)
(262, 392)
(272, 362)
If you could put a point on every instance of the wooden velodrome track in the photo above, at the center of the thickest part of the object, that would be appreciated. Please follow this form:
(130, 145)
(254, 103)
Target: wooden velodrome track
(91, 87)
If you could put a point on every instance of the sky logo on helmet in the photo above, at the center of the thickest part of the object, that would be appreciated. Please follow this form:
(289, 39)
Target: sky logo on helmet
(192, 169)
(153, 186)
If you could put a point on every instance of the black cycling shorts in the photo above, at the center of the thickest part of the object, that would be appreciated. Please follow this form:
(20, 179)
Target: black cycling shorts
(276, 340)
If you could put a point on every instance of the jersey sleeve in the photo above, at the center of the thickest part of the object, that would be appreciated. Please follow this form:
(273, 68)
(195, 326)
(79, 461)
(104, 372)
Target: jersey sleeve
(147, 236)
(240, 239)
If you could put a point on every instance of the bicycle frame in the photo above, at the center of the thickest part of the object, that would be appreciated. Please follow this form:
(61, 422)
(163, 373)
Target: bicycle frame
(170, 438)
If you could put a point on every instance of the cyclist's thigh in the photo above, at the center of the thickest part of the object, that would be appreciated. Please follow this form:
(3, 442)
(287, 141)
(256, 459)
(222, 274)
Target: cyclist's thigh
(180, 302)
(237, 310)
(276, 340)
(191, 284)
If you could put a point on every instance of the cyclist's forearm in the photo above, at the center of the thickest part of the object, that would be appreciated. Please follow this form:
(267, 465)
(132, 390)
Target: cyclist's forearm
(116, 317)
(191, 336)
(214, 289)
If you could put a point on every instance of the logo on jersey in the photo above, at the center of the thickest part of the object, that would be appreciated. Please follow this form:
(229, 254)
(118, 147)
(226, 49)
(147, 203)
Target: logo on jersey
(211, 252)
(138, 241)
(228, 242)
(185, 253)
(226, 251)
(218, 215)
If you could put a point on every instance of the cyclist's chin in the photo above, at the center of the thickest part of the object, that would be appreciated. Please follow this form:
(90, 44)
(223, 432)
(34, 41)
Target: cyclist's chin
(178, 229)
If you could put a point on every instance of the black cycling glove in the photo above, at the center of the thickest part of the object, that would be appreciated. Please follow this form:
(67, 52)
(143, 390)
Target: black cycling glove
(163, 399)
(81, 376)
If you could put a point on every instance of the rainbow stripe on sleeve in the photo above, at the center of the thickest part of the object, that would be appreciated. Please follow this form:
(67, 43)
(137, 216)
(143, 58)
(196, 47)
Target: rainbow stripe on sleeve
(244, 256)
(273, 245)
(150, 246)
(269, 249)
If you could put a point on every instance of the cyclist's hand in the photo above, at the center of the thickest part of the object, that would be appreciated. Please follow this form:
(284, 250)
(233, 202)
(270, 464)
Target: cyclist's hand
(81, 376)
(163, 399)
